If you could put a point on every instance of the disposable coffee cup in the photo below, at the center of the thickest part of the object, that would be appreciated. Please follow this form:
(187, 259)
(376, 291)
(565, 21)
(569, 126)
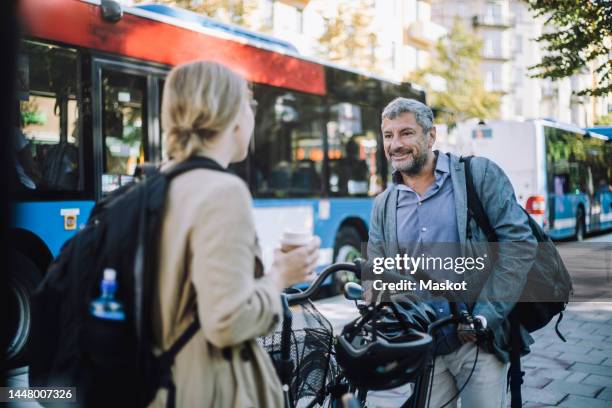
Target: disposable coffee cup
(294, 239)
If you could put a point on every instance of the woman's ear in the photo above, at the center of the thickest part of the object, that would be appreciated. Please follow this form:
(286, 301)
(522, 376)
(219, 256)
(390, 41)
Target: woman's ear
(236, 129)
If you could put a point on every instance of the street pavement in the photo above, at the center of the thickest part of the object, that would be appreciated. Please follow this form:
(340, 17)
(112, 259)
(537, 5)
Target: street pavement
(574, 374)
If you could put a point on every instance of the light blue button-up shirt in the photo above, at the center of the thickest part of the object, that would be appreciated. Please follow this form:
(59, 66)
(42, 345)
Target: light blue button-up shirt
(431, 219)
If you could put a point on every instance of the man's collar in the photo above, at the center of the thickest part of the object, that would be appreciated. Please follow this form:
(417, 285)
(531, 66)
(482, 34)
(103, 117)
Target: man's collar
(442, 162)
(442, 166)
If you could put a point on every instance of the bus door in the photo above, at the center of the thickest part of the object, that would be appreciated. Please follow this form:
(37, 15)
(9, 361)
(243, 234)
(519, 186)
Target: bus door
(126, 120)
(51, 150)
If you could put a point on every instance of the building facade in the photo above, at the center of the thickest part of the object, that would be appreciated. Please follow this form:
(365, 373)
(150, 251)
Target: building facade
(403, 35)
(508, 29)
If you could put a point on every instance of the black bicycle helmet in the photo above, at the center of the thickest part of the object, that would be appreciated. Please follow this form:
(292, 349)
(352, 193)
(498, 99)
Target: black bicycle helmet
(405, 314)
(387, 347)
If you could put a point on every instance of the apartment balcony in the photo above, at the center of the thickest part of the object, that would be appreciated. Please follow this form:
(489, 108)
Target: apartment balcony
(423, 34)
(496, 55)
(486, 20)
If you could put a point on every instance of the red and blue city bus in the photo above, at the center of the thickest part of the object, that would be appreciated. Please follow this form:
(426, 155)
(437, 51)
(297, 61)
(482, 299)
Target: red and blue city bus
(89, 99)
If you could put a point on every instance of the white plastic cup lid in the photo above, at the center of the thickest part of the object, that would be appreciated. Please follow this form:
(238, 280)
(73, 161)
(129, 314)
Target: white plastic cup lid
(296, 238)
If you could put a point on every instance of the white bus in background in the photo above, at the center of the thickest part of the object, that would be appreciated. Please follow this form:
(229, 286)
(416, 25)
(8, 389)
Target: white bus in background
(561, 174)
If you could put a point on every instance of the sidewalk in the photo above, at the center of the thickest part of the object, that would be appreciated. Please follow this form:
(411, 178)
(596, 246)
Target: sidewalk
(575, 374)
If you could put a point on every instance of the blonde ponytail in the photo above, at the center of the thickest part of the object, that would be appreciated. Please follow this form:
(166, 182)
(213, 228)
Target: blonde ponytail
(201, 99)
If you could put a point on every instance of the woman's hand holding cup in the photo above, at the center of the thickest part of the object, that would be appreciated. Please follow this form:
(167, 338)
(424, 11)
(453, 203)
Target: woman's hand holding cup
(296, 260)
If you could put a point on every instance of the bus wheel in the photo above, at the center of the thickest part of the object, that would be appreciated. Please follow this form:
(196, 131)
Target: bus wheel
(346, 249)
(580, 225)
(24, 276)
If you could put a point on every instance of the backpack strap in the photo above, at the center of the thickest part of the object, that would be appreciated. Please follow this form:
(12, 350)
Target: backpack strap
(166, 361)
(192, 163)
(557, 327)
(515, 374)
(475, 208)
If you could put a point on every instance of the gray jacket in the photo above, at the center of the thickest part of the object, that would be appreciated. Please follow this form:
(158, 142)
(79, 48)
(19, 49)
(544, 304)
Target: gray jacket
(507, 276)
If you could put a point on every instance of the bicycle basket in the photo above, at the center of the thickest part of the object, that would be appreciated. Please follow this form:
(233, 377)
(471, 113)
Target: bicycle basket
(311, 349)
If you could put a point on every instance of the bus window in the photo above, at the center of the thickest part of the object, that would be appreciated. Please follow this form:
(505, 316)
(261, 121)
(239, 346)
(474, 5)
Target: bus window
(566, 160)
(46, 131)
(352, 136)
(598, 164)
(288, 156)
(123, 127)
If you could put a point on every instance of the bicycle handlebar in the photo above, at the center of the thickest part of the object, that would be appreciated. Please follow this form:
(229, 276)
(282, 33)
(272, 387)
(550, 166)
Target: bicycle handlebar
(354, 267)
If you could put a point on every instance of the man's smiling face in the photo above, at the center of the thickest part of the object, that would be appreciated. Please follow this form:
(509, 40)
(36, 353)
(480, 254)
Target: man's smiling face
(406, 145)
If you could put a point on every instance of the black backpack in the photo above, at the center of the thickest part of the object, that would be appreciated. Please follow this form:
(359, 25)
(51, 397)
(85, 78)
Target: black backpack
(548, 274)
(111, 363)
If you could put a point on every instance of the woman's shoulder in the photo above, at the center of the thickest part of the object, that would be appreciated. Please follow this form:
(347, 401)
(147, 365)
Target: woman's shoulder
(203, 184)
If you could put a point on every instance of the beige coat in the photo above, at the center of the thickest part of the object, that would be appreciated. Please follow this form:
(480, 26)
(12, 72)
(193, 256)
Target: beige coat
(208, 262)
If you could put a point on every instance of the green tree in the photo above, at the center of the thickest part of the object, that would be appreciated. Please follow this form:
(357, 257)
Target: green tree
(582, 39)
(456, 61)
(348, 37)
(240, 12)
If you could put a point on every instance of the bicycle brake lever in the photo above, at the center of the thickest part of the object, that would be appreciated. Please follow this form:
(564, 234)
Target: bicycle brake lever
(472, 324)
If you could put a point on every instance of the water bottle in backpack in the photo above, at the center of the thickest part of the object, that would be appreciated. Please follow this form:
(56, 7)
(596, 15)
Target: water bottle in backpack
(106, 306)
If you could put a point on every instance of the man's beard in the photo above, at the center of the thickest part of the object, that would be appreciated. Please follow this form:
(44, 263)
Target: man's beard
(414, 167)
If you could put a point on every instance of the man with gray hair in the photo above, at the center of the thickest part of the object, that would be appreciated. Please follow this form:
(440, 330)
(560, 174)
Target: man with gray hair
(427, 203)
(411, 114)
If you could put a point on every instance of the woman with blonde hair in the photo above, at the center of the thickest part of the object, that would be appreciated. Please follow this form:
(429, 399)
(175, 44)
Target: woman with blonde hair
(209, 257)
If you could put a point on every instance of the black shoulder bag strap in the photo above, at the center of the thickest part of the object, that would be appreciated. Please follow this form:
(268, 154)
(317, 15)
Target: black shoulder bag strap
(166, 359)
(193, 163)
(515, 374)
(476, 210)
